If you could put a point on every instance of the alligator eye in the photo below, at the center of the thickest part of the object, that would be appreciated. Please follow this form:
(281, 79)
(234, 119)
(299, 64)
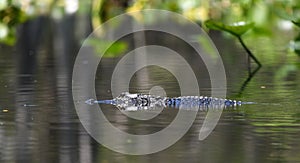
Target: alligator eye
(145, 102)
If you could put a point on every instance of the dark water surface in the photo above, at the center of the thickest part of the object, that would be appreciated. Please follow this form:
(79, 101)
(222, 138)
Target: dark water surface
(38, 122)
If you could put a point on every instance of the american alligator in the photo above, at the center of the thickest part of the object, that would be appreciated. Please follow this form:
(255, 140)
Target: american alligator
(145, 101)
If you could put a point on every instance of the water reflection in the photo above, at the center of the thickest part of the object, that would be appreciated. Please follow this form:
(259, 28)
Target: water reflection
(25, 88)
(45, 123)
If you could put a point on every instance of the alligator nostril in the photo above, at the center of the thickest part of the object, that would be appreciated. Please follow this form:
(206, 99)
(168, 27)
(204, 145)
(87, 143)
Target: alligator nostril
(145, 102)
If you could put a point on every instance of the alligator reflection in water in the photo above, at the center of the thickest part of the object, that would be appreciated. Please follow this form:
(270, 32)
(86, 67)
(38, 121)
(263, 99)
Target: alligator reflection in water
(133, 102)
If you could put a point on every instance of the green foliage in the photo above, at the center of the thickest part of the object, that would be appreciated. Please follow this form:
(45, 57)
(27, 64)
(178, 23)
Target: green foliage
(7, 35)
(297, 23)
(108, 48)
(296, 44)
(237, 29)
(12, 16)
(218, 13)
(289, 12)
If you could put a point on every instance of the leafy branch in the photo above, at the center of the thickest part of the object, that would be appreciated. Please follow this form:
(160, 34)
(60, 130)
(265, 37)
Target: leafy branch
(236, 29)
